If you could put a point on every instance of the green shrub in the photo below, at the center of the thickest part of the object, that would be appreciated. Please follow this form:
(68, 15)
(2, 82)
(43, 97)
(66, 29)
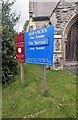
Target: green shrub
(9, 65)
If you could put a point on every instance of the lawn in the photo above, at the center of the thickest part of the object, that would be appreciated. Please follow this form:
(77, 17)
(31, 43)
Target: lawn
(27, 101)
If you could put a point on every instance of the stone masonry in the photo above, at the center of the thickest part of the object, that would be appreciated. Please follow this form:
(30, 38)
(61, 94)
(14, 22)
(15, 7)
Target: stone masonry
(63, 13)
(63, 17)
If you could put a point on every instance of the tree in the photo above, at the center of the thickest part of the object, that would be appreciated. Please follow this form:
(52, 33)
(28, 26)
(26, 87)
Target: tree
(9, 65)
(26, 25)
(0, 40)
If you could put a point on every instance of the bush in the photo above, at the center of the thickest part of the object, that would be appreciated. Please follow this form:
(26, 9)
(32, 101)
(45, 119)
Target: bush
(9, 65)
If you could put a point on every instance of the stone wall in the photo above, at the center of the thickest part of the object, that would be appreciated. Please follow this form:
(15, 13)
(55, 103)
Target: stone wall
(62, 14)
(59, 18)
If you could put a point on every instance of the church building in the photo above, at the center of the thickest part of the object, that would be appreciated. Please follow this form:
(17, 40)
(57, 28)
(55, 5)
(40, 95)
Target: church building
(63, 14)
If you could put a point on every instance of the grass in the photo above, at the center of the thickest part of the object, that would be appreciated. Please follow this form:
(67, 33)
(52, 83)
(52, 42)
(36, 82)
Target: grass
(27, 101)
(0, 101)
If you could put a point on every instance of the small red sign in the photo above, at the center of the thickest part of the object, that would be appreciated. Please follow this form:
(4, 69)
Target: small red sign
(19, 44)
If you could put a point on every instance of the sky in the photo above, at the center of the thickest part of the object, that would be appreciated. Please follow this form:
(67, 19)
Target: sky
(23, 7)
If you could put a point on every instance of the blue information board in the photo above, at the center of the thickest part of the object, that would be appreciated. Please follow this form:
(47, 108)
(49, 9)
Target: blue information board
(39, 45)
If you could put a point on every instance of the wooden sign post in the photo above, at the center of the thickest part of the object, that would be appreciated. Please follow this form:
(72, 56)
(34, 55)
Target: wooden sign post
(43, 78)
(22, 72)
(39, 49)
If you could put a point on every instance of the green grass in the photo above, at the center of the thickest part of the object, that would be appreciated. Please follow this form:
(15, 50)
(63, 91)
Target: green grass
(0, 101)
(27, 101)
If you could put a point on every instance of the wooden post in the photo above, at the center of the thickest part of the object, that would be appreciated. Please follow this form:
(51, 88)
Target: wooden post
(22, 72)
(43, 78)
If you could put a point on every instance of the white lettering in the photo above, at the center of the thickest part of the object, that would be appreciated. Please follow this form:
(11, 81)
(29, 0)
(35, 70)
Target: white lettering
(39, 42)
(31, 33)
(32, 37)
(41, 36)
(30, 43)
(32, 48)
(40, 48)
(41, 31)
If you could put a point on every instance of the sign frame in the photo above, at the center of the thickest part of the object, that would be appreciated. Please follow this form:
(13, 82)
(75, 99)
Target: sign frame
(39, 46)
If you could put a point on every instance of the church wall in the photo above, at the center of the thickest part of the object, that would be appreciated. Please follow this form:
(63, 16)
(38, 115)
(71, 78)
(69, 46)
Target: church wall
(62, 14)
(59, 18)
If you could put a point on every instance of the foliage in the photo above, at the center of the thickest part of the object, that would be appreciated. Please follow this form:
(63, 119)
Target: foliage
(27, 101)
(0, 17)
(9, 65)
(26, 25)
